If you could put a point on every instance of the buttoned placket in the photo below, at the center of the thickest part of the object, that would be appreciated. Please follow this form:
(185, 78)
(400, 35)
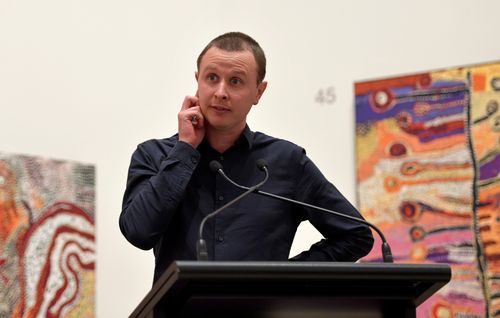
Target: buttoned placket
(220, 200)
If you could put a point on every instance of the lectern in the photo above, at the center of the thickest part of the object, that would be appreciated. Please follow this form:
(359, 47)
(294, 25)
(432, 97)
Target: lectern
(291, 289)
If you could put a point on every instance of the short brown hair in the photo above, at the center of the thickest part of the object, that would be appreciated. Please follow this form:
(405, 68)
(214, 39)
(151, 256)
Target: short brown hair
(235, 42)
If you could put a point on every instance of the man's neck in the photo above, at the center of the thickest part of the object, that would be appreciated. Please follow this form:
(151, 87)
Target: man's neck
(222, 140)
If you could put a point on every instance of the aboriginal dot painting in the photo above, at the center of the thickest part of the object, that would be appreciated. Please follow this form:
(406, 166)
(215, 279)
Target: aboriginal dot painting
(428, 160)
(47, 245)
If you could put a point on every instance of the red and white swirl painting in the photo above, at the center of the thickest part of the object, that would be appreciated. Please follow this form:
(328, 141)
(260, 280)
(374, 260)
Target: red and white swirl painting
(47, 240)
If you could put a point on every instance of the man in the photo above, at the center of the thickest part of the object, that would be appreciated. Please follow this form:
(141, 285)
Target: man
(170, 186)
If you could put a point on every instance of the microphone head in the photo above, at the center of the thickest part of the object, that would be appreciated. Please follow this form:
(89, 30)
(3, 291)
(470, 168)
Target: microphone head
(261, 164)
(215, 166)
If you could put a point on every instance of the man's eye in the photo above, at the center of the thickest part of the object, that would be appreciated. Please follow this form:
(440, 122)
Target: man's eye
(212, 77)
(235, 81)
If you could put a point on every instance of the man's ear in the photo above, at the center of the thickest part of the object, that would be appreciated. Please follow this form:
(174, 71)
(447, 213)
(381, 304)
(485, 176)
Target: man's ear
(260, 90)
(196, 75)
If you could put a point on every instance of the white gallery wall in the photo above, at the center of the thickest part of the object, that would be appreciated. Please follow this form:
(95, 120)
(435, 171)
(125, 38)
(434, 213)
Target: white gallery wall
(89, 80)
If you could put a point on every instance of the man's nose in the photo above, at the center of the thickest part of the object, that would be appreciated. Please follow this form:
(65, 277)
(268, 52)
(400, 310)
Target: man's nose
(221, 91)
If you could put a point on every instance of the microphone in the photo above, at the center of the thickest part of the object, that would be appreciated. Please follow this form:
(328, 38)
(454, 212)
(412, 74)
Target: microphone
(201, 245)
(261, 164)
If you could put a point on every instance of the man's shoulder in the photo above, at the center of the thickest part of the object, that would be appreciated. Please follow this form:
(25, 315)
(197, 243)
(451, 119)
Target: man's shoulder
(263, 140)
(156, 142)
(158, 146)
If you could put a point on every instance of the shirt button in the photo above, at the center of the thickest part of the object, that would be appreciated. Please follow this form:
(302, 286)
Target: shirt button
(194, 160)
(221, 198)
(220, 238)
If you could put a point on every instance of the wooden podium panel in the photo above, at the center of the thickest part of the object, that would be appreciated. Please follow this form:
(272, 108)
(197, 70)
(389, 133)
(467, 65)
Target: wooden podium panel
(292, 289)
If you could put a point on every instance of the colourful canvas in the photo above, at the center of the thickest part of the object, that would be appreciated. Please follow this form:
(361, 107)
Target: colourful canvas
(428, 160)
(47, 240)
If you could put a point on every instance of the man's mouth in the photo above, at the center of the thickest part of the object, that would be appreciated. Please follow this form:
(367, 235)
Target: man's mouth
(220, 108)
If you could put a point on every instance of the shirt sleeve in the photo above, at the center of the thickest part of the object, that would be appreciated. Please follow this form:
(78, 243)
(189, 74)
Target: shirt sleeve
(344, 240)
(155, 187)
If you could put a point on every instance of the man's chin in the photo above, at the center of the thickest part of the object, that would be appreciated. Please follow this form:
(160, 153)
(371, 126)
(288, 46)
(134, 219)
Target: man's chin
(224, 126)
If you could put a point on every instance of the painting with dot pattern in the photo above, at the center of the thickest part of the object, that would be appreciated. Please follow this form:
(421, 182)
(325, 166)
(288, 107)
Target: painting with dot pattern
(47, 237)
(427, 163)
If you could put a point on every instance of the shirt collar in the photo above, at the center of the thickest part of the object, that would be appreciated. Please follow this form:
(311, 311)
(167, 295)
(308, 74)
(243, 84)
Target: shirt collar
(245, 139)
(246, 136)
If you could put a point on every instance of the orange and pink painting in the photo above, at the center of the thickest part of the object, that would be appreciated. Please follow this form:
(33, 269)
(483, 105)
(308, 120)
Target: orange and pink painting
(428, 161)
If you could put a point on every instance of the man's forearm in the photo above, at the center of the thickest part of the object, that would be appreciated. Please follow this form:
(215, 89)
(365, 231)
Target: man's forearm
(152, 197)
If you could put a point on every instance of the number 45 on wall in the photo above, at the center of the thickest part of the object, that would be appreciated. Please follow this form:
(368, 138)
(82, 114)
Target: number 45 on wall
(326, 96)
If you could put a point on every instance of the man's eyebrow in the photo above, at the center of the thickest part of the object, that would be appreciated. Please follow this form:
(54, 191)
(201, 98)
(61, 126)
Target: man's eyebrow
(240, 72)
(211, 67)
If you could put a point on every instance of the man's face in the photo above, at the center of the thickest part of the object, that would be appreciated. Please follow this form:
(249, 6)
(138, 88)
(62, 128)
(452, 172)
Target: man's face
(227, 88)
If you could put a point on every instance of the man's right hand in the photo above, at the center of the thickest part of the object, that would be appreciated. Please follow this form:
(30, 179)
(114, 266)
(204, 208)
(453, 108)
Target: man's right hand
(191, 122)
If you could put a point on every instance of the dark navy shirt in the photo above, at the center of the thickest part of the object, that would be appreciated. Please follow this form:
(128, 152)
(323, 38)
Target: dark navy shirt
(170, 188)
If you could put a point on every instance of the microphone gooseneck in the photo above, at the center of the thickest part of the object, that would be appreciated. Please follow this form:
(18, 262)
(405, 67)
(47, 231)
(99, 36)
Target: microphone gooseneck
(201, 245)
(261, 164)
